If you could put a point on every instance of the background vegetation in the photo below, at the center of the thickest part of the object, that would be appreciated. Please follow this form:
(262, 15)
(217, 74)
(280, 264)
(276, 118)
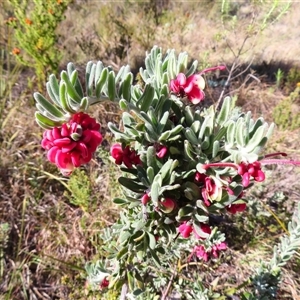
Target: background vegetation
(49, 226)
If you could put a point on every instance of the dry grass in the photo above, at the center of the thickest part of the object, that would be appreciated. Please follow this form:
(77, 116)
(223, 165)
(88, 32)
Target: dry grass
(49, 238)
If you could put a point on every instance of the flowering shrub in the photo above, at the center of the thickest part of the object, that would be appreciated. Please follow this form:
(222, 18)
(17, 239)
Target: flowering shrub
(183, 164)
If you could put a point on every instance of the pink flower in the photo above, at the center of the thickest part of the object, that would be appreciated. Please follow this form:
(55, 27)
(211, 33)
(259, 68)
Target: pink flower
(192, 87)
(216, 248)
(201, 252)
(235, 208)
(185, 229)
(145, 199)
(253, 170)
(161, 151)
(168, 205)
(74, 143)
(205, 254)
(127, 156)
(211, 191)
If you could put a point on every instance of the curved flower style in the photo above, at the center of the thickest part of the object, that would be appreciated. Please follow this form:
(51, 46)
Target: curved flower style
(74, 143)
(127, 156)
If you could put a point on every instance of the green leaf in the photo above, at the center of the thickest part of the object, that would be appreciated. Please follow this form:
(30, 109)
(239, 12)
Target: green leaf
(43, 120)
(63, 98)
(240, 132)
(162, 122)
(155, 189)
(120, 201)
(53, 83)
(150, 174)
(122, 252)
(70, 88)
(124, 237)
(84, 104)
(224, 112)
(192, 69)
(187, 210)
(98, 71)
(131, 185)
(152, 241)
(51, 109)
(257, 137)
(111, 86)
(191, 137)
(126, 87)
(216, 149)
(147, 97)
(101, 82)
(231, 133)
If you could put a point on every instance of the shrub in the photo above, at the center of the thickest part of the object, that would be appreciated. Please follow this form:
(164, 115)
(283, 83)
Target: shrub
(185, 167)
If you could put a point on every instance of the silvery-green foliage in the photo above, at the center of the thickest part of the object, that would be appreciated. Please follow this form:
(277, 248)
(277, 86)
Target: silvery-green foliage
(96, 273)
(268, 275)
(67, 96)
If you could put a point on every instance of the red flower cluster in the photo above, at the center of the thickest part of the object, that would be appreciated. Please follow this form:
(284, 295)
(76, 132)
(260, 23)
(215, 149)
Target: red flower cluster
(127, 156)
(74, 143)
(253, 170)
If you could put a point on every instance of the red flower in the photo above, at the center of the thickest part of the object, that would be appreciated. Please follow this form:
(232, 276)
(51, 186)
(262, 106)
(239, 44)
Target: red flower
(104, 283)
(127, 156)
(235, 208)
(145, 199)
(192, 87)
(74, 143)
(253, 170)
(185, 229)
(205, 228)
(161, 151)
(211, 191)
(168, 205)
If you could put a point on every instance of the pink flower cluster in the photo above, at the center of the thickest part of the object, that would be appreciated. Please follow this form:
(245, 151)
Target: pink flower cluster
(201, 252)
(251, 170)
(125, 155)
(192, 87)
(205, 254)
(74, 143)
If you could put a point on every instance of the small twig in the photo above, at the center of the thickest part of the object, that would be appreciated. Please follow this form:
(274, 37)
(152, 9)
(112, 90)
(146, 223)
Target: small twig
(165, 294)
